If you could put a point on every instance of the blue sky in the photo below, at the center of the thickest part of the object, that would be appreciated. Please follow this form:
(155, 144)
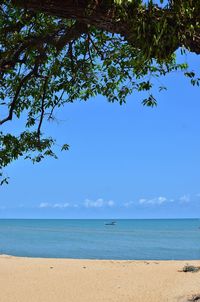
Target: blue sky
(124, 161)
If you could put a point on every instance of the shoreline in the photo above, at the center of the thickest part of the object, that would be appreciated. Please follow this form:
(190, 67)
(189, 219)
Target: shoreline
(97, 259)
(87, 280)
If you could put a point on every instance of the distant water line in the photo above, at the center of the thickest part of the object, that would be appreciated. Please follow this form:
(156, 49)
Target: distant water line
(155, 239)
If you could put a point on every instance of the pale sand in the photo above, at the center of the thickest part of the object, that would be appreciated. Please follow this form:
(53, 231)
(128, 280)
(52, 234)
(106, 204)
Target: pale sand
(66, 280)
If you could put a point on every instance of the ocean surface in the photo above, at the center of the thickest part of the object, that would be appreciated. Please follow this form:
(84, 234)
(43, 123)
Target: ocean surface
(163, 239)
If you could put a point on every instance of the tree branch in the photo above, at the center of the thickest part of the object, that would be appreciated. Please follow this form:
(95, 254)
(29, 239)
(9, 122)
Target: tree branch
(105, 15)
(17, 93)
(42, 108)
(53, 38)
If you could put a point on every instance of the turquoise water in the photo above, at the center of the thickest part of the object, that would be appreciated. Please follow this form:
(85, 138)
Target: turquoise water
(129, 239)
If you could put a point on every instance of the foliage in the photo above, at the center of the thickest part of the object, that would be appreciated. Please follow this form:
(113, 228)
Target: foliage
(47, 61)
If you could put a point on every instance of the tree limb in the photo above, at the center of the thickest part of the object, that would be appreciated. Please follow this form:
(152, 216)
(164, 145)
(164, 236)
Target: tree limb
(17, 93)
(105, 15)
(53, 38)
(42, 107)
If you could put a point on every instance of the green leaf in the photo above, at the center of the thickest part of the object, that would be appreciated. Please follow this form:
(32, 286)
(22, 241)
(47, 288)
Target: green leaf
(65, 147)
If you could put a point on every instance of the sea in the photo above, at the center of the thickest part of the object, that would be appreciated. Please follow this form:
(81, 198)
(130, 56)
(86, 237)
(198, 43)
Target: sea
(131, 239)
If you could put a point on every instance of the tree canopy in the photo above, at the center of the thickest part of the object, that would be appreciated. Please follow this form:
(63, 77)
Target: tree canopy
(53, 52)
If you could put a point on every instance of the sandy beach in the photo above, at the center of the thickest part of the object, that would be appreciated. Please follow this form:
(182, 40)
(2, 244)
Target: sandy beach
(68, 280)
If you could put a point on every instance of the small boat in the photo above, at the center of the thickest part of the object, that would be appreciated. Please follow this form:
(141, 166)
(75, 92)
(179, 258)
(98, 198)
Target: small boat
(111, 223)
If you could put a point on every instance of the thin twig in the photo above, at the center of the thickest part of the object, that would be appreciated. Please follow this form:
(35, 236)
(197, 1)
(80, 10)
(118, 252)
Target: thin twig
(42, 108)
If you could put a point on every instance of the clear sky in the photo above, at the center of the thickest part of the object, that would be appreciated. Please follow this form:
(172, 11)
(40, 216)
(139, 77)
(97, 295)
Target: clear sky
(124, 161)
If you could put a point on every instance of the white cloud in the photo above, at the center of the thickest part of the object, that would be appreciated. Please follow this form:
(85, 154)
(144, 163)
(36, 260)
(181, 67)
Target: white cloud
(184, 199)
(99, 203)
(143, 200)
(55, 205)
(110, 203)
(44, 205)
(128, 204)
(61, 206)
(154, 201)
(75, 205)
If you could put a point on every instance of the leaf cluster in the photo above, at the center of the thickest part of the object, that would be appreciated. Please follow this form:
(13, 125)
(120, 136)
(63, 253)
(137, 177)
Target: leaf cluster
(47, 62)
